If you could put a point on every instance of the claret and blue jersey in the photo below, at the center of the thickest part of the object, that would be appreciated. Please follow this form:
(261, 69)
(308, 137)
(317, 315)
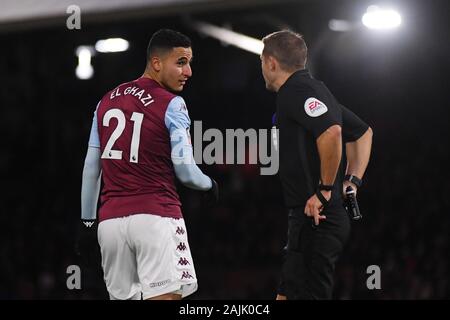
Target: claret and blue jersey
(132, 126)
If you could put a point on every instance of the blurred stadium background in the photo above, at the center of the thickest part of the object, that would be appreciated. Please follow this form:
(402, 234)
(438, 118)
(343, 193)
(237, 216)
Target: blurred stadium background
(395, 80)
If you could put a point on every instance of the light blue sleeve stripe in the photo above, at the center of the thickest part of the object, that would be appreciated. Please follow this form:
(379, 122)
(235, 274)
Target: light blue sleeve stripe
(94, 139)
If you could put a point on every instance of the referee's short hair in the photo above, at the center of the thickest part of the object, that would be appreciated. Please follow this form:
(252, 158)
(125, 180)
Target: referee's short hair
(288, 47)
(165, 40)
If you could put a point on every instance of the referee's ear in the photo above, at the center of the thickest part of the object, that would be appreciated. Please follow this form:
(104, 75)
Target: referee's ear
(272, 63)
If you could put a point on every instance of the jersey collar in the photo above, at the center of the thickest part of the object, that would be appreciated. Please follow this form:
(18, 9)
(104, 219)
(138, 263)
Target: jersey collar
(297, 75)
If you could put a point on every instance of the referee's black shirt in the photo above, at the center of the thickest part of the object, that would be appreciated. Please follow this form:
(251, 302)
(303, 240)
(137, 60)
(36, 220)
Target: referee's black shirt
(305, 109)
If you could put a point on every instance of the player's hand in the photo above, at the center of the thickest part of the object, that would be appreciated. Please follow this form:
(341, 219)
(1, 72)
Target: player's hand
(348, 184)
(211, 197)
(86, 240)
(314, 207)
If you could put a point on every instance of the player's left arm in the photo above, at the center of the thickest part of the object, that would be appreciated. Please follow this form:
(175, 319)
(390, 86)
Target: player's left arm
(178, 122)
(91, 180)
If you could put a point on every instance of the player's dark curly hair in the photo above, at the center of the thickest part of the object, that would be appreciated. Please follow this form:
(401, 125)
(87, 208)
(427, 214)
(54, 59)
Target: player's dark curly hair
(288, 47)
(164, 40)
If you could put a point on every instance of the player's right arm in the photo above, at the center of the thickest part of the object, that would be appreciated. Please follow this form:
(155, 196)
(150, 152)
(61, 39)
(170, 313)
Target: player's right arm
(90, 185)
(90, 189)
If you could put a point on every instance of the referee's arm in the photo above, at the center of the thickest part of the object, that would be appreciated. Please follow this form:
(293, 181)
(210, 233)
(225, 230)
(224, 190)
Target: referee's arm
(324, 123)
(358, 154)
(358, 145)
(329, 146)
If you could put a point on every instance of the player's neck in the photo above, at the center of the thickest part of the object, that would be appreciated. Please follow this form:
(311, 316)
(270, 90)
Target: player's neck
(151, 75)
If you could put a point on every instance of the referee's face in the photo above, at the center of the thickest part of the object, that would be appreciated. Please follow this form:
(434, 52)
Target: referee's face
(176, 68)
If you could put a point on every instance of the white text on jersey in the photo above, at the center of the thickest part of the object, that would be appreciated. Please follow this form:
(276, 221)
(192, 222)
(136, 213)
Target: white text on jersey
(143, 96)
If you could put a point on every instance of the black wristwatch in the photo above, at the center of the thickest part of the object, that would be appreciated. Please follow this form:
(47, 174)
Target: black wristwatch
(353, 179)
(325, 187)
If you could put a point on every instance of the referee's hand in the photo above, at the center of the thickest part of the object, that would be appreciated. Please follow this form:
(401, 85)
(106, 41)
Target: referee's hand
(314, 207)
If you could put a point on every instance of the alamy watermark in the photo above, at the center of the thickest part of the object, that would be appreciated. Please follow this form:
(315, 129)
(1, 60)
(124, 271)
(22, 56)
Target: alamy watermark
(74, 19)
(236, 146)
(74, 279)
(374, 280)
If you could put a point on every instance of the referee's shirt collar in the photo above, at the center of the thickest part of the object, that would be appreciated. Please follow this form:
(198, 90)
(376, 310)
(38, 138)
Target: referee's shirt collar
(297, 75)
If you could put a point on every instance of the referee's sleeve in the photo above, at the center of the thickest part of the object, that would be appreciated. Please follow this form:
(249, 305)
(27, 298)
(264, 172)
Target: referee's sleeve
(312, 110)
(353, 127)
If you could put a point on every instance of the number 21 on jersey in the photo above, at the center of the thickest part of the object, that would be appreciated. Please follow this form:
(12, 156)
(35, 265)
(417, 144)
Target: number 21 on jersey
(137, 118)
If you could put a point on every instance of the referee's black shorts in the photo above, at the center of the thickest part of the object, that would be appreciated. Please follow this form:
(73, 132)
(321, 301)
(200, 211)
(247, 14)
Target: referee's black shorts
(311, 253)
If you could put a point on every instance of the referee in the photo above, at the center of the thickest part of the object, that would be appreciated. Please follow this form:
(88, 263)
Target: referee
(313, 127)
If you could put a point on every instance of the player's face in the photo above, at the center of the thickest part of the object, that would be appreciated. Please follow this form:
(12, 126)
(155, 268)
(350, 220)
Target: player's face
(267, 74)
(176, 68)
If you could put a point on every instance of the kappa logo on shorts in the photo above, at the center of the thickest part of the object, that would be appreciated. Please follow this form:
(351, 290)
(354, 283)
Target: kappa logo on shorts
(186, 275)
(314, 107)
(181, 246)
(180, 231)
(159, 283)
(183, 261)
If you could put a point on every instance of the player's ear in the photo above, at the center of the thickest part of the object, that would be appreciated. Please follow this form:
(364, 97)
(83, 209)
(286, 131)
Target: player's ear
(155, 63)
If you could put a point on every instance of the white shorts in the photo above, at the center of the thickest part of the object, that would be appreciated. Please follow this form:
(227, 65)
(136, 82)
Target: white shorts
(146, 255)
